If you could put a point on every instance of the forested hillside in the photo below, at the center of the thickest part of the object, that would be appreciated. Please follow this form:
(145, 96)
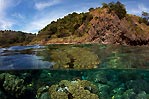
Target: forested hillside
(9, 37)
(109, 24)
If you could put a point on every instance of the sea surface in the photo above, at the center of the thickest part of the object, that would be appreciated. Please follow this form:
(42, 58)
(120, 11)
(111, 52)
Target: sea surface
(82, 71)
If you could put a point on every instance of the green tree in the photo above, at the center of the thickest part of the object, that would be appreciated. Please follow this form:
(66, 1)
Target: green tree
(91, 9)
(105, 5)
(144, 18)
(66, 26)
(117, 7)
(145, 14)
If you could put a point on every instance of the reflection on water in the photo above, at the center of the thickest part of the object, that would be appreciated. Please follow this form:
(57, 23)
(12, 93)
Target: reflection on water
(74, 72)
(22, 57)
(74, 57)
(22, 62)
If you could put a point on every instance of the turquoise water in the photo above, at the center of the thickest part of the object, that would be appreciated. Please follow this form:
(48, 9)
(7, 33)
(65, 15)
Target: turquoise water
(74, 72)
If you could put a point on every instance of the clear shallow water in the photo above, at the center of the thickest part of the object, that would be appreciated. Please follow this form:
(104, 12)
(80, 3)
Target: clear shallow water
(22, 57)
(74, 57)
(74, 72)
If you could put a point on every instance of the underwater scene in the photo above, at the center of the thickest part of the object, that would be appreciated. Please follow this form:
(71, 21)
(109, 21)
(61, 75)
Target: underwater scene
(82, 71)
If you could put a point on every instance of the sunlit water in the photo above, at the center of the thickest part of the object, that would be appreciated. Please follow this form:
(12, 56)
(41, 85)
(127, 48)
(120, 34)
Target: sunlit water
(55, 71)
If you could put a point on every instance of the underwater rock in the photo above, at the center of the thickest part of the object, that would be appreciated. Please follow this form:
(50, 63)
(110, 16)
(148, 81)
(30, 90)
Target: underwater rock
(80, 89)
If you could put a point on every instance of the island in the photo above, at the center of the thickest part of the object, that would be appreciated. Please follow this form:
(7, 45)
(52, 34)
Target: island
(108, 24)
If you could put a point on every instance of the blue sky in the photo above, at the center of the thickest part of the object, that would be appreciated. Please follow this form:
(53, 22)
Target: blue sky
(33, 15)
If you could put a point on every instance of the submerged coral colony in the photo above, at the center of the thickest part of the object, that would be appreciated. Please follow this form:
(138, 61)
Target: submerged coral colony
(88, 84)
(78, 77)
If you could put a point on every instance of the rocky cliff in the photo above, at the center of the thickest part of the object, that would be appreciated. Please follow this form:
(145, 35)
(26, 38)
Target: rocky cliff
(107, 28)
(100, 25)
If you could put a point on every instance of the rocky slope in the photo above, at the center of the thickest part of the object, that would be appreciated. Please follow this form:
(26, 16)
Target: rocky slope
(96, 26)
(107, 28)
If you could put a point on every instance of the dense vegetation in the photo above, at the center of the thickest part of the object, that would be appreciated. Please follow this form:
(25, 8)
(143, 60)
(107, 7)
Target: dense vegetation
(117, 7)
(64, 27)
(9, 37)
(68, 25)
(144, 18)
(109, 24)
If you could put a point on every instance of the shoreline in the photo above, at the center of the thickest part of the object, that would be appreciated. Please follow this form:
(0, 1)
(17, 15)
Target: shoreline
(72, 43)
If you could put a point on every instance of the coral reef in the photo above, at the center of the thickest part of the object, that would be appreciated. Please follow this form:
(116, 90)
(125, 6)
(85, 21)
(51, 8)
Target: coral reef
(74, 84)
(80, 89)
(14, 86)
(47, 84)
(42, 93)
(122, 84)
(74, 58)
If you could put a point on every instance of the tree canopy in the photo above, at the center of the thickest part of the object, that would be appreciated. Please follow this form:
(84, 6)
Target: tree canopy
(117, 7)
(66, 26)
(144, 18)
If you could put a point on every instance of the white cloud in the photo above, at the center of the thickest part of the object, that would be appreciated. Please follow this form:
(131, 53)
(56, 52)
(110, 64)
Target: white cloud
(18, 15)
(2, 7)
(142, 7)
(36, 25)
(5, 22)
(43, 5)
(139, 9)
(40, 21)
